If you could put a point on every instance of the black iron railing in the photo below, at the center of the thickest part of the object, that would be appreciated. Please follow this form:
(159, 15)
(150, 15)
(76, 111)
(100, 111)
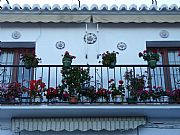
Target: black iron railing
(122, 84)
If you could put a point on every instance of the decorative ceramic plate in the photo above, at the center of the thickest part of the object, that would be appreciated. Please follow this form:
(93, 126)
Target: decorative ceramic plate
(60, 45)
(90, 38)
(121, 46)
(164, 34)
(16, 35)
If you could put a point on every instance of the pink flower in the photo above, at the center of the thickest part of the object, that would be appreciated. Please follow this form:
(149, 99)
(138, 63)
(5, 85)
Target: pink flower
(146, 91)
(66, 52)
(109, 81)
(121, 82)
(17, 85)
(65, 95)
(48, 92)
(39, 81)
(168, 91)
(42, 85)
(145, 51)
(154, 51)
(109, 92)
(151, 92)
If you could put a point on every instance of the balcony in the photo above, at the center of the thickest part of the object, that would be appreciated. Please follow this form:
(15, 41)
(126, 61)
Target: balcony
(160, 85)
(156, 91)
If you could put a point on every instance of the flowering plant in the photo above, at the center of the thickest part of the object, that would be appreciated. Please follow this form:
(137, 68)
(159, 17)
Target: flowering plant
(103, 93)
(30, 60)
(36, 88)
(149, 55)
(89, 92)
(144, 95)
(158, 92)
(51, 93)
(120, 90)
(65, 96)
(108, 58)
(134, 82)
(14, 90)
(74, 79)
(155, 93)
(176, 95)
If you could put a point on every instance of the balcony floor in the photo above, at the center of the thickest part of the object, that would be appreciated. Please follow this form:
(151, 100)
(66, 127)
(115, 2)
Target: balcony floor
(91, 110)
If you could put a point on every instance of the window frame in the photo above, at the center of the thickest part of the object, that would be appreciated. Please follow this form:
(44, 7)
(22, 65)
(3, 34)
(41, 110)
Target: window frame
(164, 47)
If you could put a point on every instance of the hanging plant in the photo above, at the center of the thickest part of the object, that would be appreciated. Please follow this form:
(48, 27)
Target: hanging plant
(109, 59)
(30, 60)
(151, 57)
(67, 59)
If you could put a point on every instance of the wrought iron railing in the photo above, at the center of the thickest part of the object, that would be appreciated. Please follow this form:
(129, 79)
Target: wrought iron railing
(122, 84)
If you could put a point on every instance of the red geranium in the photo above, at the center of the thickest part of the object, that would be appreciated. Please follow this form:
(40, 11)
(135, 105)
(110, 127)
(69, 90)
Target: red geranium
(36, 87)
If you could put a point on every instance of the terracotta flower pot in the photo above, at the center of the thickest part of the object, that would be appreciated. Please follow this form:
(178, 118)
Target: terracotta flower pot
(73, 100)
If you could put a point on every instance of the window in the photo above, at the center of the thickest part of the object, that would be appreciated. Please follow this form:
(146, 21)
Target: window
(167, 77)
(10, 55)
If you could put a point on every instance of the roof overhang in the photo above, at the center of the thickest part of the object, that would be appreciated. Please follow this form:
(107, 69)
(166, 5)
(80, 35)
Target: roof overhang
(83, 14)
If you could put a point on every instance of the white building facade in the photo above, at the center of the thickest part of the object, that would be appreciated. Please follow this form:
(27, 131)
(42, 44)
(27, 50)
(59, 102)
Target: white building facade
(87, 32)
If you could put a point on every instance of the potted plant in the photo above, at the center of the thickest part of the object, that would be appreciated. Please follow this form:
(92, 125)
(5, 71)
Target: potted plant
(51, 94)
(14, 91)
(74, 79)
(67, 59)
(36, 88)
(176, 95)
(109, 59)
(88, 94)
(118, 93)
(151, 57)
(30, 60)
(134, 83)
(103, 95)
(144, 95)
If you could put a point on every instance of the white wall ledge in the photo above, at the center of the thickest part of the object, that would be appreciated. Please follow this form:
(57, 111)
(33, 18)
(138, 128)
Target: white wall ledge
(151, 111)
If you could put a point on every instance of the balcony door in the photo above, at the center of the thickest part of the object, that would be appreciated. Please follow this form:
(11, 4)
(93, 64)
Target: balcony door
(167, 77)
(11, 56)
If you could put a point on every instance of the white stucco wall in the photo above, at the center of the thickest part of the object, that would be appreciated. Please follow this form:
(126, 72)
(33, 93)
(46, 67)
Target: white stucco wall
(142, 131)
(46, 36)
(158, 131)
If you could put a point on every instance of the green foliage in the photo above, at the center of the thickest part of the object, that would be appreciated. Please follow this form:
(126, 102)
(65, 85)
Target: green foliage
(108, 58)
(134, 83)
(74, 79)
(30, 60)
(117, 90)
(149, 55)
